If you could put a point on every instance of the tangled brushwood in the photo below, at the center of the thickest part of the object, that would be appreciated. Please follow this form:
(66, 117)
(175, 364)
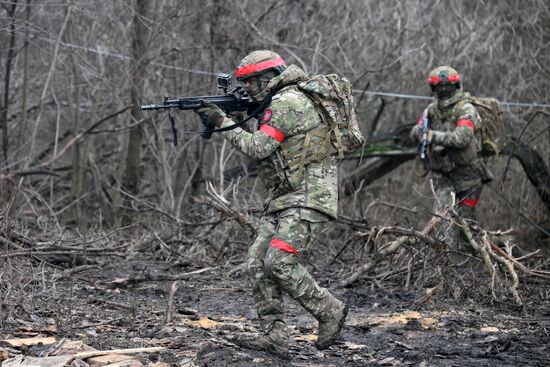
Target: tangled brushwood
(430, 257)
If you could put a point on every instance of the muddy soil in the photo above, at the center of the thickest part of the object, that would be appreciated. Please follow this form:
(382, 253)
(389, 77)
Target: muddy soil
(385, 327)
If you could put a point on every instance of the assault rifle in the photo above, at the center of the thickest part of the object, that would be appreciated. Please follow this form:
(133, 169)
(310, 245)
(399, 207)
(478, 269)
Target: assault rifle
(229, 102)
(424, 141)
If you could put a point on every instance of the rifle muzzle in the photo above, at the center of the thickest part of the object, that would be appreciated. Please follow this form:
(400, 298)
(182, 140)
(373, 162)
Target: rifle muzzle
(149, 107)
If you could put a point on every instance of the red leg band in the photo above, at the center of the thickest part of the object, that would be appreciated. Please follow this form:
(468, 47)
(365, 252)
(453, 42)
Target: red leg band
(283, 246)
(469, 202)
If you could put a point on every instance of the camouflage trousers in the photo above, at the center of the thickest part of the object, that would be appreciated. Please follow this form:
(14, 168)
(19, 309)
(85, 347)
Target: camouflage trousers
(467, 202)
(274, 268)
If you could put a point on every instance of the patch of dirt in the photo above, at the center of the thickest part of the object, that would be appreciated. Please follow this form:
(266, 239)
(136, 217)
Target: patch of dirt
(385, 327)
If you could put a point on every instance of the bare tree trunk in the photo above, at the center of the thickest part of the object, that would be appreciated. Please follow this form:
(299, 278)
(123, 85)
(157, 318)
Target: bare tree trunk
(130, 180)
(78, 156)
(5, 103)
(534, 167)
(79, 152)
(46, 86)
(212, 26)
(25, 86)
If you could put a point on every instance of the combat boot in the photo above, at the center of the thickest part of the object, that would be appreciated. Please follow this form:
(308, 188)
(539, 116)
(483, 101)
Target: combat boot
(275, 342)
(330, 328)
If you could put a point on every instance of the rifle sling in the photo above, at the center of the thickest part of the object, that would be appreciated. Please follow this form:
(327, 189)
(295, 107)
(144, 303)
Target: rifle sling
(256, 113)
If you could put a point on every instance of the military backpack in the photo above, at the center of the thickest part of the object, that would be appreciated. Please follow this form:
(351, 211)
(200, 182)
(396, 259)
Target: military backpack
(491, 134)
(333, 99)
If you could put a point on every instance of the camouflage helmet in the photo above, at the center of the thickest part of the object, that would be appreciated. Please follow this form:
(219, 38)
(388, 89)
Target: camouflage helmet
(258, 62)
(443, 75)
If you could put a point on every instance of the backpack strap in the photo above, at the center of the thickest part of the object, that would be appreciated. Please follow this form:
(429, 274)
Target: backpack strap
(302, 161)
(300, 158)
(339, 146)
(336, 129)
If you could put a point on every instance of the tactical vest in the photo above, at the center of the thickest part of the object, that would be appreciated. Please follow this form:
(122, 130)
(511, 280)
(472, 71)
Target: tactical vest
(308, 142)
(447, 159)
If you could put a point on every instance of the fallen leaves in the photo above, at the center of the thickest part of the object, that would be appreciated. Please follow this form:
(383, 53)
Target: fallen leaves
(202, 323)
(490, 329)
(208, 323)
(305, 337)
(392, 319)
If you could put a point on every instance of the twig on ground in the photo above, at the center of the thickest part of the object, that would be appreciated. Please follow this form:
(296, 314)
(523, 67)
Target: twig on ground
(156, 278)
(239, 268)
(78, 269)
(106, 322)
(395, 245)
(55, 251)
(172, 288)
(492, 255)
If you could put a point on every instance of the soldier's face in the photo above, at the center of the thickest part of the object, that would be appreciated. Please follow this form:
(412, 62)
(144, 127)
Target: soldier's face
(250, 86)
(444, 91)
(254, 85)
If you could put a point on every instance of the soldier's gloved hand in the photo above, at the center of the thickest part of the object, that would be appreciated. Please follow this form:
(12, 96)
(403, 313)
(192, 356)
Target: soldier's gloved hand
(211, 114)
(416, 133)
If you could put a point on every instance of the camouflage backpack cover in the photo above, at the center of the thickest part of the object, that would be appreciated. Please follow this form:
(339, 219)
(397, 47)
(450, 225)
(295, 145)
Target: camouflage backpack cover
(333, 99)
(491, 136)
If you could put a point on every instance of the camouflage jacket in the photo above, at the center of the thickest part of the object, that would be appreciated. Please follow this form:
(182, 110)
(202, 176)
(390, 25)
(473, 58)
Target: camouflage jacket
(280, 140)
(454, 147)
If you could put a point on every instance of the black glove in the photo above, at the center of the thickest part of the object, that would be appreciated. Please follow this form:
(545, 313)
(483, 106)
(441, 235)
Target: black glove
(211, 115)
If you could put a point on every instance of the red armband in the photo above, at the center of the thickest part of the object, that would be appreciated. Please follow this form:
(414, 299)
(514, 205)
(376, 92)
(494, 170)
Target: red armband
(464, 122)
(271, 131)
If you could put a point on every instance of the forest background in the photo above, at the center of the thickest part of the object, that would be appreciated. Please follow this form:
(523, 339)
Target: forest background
(82, 165)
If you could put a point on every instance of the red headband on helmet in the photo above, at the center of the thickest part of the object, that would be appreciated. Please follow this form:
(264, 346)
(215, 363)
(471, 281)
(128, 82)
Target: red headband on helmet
(435, 79)
(253, 68)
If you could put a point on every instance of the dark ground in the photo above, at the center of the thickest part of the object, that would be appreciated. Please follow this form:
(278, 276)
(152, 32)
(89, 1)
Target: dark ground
(386, 326)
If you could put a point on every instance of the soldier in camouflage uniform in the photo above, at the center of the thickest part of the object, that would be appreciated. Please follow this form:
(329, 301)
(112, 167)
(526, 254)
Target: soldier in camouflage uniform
(302, 198)
(453, 154)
